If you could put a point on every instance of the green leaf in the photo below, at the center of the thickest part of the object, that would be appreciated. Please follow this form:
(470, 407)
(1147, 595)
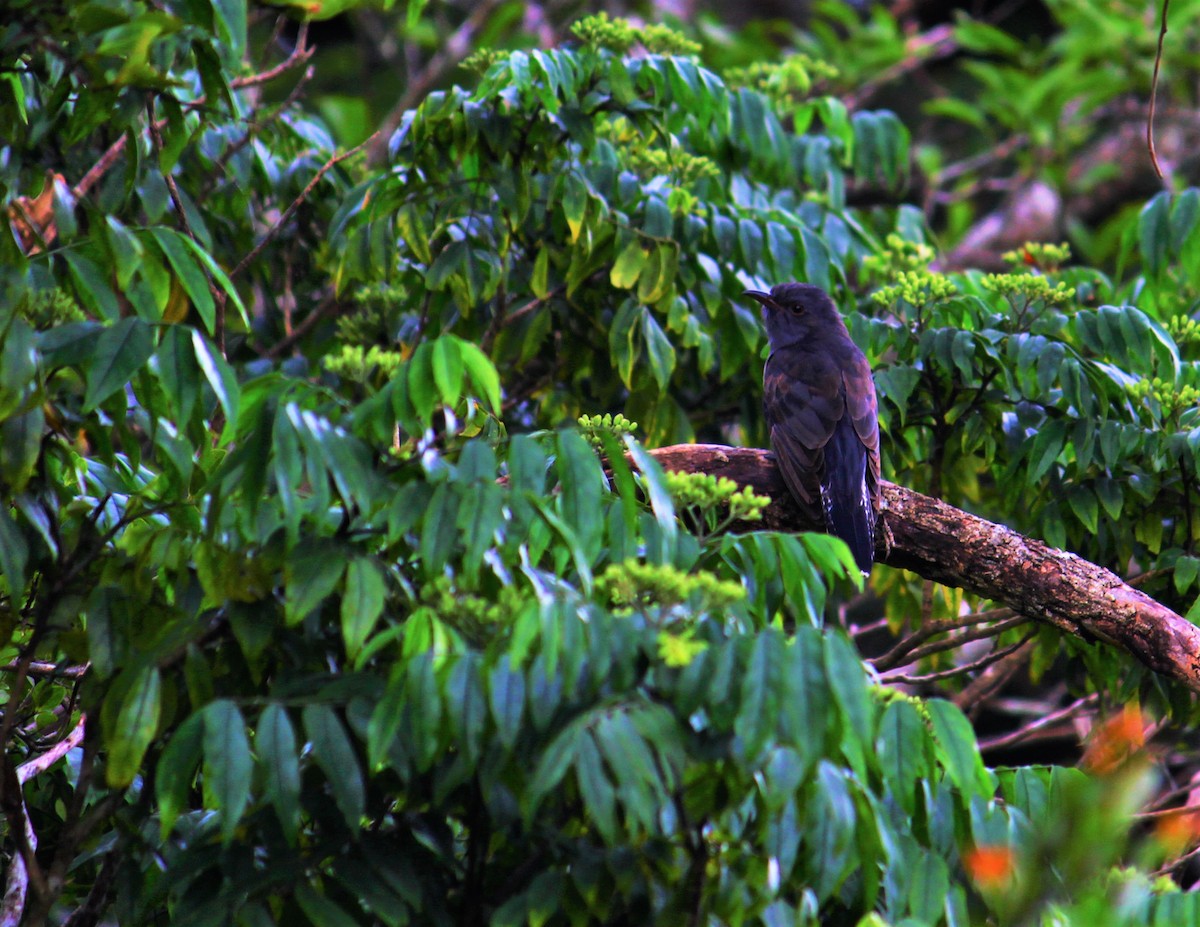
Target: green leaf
(599, 795)
(482, 371)
(900, 748)
(333, 752)
(661, 504)
(221, 378)
(362, 603)
(762, 688)
(1046, 446)
(847, 681)
(120, 352)
(133, 729)
(467, 705)
(189, 273)
(422, 388)
(628, 266)
(550, 768)
(220, 278)
(176, 771)
(1154, 232)
(178, 371)
(91, 286)
(539, 280)
(506, 696)
(411, 226)
(313, 570)
(451, 261)
(413, 14)
(20, 447)
(386, 717)
(659, 350)
(574, 203)
(621, 340)
(448, 368)
(228, 765)
(1084, 504)
(439, 530)
(581, 485)
(1186, 571)
(275, 744)
(320, 911)
(954, 743)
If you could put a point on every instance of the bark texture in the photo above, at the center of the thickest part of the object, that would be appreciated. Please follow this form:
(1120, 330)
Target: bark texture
(953, 547)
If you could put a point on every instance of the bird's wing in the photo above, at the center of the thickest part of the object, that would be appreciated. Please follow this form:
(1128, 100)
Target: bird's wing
(863, 410)
(802, 402)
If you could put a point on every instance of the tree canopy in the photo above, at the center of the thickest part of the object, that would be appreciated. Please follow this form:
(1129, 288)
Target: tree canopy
(351, 571)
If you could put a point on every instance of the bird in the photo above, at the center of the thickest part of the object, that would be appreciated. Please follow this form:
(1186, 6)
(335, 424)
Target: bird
(822, 415)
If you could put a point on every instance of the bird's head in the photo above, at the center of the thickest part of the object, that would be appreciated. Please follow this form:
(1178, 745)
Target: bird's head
(797, 312)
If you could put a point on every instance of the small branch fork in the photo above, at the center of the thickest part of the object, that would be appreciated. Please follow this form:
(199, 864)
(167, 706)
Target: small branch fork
(25, 870)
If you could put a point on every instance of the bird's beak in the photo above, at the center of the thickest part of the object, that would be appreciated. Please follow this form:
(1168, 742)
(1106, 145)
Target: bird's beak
(764, 298)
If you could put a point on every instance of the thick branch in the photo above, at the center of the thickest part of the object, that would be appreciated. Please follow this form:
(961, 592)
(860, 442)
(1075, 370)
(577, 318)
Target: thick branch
(955, 548)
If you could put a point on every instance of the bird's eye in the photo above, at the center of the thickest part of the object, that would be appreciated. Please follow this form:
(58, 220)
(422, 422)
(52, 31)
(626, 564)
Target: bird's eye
(796, 309)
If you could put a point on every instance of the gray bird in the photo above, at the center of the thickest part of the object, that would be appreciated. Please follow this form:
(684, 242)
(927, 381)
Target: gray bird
(822, 414)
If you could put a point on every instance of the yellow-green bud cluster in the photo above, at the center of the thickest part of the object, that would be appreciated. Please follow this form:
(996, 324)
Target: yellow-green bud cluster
(47, 308)
(1029, 288)
(471, 615)
(1041, 255)
(678, 650)
(782, 81)
(663, 40)
(352, 362)
(1183, 329)
(917, 288)
(633, 584)
(1171, 397)
(656, 162)
(619, 35)
(703, 490)
(479, 61)
(897, 256)
(616, 425)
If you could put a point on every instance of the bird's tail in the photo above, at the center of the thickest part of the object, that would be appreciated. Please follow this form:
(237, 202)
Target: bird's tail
(845, 497)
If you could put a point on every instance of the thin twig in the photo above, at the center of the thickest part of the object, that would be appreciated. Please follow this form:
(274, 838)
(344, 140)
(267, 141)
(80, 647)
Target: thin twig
(967, 637)
(302, 328)
(1162, 34)
(256, 125)
(1027, 730)
(296, 203)
(88, 913)
(993, 657)
(299, 55)
(932, 628)
(987, 683)
(939, 42)
(41, 668)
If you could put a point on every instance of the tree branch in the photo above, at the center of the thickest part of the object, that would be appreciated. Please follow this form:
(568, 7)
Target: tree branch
(952, 547)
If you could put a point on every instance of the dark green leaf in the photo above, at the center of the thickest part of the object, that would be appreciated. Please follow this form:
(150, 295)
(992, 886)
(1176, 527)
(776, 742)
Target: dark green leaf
(135, 724)
(120, 352)
(227, 763)
(333, 752)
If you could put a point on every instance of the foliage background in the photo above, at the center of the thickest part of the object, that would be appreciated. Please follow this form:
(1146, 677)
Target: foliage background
(316, 606)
